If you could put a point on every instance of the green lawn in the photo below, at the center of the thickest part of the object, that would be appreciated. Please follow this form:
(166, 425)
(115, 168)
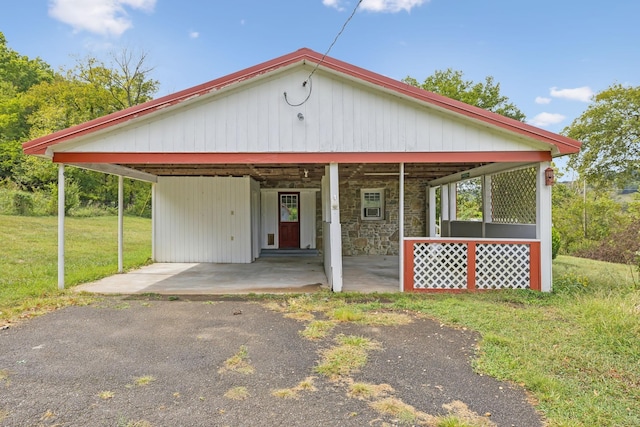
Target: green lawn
(28, 257)
(577, 350)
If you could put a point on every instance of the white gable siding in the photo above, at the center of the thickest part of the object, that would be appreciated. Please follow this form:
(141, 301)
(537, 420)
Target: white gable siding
(339, 116)
(202, 219)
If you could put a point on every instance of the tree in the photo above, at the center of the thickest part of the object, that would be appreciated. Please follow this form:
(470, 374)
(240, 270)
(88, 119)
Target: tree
(450, 83)
(610, 134)
(18, 74)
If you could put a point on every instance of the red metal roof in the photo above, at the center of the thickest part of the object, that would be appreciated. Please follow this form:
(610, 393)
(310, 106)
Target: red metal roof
(564, 145)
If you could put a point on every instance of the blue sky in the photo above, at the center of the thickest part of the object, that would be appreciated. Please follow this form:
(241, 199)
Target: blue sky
(549, 56)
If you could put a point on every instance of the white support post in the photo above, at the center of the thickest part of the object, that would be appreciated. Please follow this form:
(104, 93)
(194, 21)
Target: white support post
(61, 226)
(444, 210)
(335, 231)
(153, 221)
(453, 201)
(431, 215)
(120, 223)
(543, 226)
(401, 226)
(486, 203)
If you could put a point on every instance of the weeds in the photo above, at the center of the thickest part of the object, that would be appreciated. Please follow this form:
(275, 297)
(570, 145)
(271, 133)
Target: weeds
(237, 393)
(106, 395)
(294, 392)
(318, 329)
(238, 362)
(347, 357)
(144, 380)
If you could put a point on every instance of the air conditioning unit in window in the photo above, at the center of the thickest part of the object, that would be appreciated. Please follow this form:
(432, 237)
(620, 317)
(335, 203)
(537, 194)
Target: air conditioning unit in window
(372, 212)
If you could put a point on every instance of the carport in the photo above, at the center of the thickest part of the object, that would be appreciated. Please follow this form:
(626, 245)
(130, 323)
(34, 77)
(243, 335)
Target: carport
(308, 152)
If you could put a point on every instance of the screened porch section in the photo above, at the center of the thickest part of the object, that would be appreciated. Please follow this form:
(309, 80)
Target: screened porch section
(503, 247)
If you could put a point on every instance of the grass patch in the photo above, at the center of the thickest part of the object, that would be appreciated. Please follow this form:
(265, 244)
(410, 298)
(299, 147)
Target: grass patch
(4, 375)
(106, 395)
(28, 259)
(366, 391)
(461, 416)
(144, 380)
(347, 357)
(294, 392)
(405, 414)
(318, 329)
(238, 362)
(300, 316)
(237, 393)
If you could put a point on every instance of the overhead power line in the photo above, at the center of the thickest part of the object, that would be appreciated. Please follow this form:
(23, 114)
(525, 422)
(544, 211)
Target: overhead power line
(308, 79)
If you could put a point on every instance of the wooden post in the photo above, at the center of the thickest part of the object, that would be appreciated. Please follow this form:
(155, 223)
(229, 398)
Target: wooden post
(335, 231)
(61, 214)
(543, 226)
(120, 223)
(401, 226)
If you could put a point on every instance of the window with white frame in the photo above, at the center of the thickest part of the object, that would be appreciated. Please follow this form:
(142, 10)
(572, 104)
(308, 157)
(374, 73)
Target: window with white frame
(372, 203)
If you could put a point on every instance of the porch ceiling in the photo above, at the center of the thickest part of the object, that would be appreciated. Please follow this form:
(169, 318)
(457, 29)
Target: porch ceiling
(295, 172)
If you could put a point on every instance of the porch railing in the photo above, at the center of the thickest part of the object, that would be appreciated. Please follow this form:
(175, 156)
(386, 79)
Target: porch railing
(459, 264)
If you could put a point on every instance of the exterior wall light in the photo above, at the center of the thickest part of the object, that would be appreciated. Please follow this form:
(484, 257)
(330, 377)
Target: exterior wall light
(300, 116)
(549, 178)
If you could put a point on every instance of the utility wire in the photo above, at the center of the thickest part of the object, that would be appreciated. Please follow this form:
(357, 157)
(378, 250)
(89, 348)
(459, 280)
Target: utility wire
(308, 80)
(334, 40)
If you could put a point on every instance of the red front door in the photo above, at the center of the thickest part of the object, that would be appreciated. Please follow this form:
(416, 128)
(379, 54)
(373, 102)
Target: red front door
(289, 220)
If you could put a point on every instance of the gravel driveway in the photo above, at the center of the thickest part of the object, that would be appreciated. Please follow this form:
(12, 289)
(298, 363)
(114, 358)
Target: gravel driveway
(126, 362)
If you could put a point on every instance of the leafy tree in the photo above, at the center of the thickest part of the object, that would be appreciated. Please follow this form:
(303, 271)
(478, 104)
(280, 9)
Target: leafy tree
(610, 133)
(35, 101)
(451, 84)
(18, 73)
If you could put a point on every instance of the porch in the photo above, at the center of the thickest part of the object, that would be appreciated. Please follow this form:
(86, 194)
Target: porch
(294, 274)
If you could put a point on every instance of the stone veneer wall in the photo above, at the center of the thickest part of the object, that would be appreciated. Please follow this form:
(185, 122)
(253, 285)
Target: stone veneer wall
(370, 237)
(381, 237)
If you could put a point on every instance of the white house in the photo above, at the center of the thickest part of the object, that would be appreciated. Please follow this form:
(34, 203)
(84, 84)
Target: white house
(312, 153)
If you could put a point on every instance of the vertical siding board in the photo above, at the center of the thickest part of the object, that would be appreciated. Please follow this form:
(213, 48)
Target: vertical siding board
(435, 134)
(241, 123)
(348, 118)
(388, 128)
(337, 117)
(422, 132)
(409, 121)
(325, 115)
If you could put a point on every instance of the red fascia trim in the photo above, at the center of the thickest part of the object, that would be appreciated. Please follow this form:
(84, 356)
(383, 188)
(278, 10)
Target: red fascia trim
(289, 158)
(565, 145)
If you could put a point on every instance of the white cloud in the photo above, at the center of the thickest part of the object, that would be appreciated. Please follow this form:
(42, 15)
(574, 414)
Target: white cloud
(542, 100)
(583, 93)
(336, 4)
(104, 17)
(391, 6)
(194, 34)
(546, 119)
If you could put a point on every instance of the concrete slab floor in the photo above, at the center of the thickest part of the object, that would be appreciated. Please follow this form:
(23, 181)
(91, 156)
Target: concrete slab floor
(265, 275)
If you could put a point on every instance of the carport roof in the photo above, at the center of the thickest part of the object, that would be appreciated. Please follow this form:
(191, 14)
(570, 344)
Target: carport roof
(559, 144)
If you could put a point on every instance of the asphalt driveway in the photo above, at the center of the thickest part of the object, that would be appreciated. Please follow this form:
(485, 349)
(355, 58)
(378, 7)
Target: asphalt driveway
(123, 362)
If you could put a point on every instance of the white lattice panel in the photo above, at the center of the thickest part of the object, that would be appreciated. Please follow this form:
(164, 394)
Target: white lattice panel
(502, 266)
(513, 197)
(440, 265)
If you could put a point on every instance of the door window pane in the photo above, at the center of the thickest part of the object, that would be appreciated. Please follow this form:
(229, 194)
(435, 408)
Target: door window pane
(288, 208)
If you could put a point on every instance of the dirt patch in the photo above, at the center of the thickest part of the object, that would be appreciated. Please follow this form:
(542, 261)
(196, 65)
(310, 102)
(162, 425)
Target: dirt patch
(87, 366)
